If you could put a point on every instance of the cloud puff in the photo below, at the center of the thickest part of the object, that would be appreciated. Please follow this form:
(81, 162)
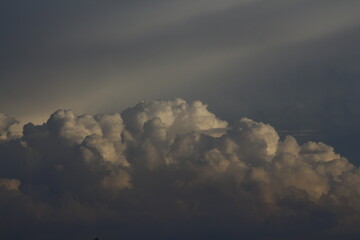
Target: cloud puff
(5, 123)
(175, 169)
(177, 116)
(10, 184)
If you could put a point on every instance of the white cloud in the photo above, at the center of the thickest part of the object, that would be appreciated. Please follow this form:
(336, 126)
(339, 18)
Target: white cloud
(158, 158)
(178, 116)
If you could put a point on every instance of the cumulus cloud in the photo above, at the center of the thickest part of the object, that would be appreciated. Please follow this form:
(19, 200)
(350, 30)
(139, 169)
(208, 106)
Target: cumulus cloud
(5, 124)
(177, 116)
(175, 169)
(10, 184)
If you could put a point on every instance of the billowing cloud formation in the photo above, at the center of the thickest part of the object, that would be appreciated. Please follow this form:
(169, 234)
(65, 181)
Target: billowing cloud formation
(170, 169)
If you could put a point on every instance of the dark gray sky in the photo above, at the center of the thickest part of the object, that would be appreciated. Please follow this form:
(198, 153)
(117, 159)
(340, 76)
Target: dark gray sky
(293, 64)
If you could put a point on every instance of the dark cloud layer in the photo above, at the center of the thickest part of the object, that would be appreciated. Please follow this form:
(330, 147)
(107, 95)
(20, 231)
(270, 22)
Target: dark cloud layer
(171, 170)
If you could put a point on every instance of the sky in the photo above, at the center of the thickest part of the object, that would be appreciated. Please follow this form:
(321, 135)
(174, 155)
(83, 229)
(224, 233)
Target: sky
(189, 71)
